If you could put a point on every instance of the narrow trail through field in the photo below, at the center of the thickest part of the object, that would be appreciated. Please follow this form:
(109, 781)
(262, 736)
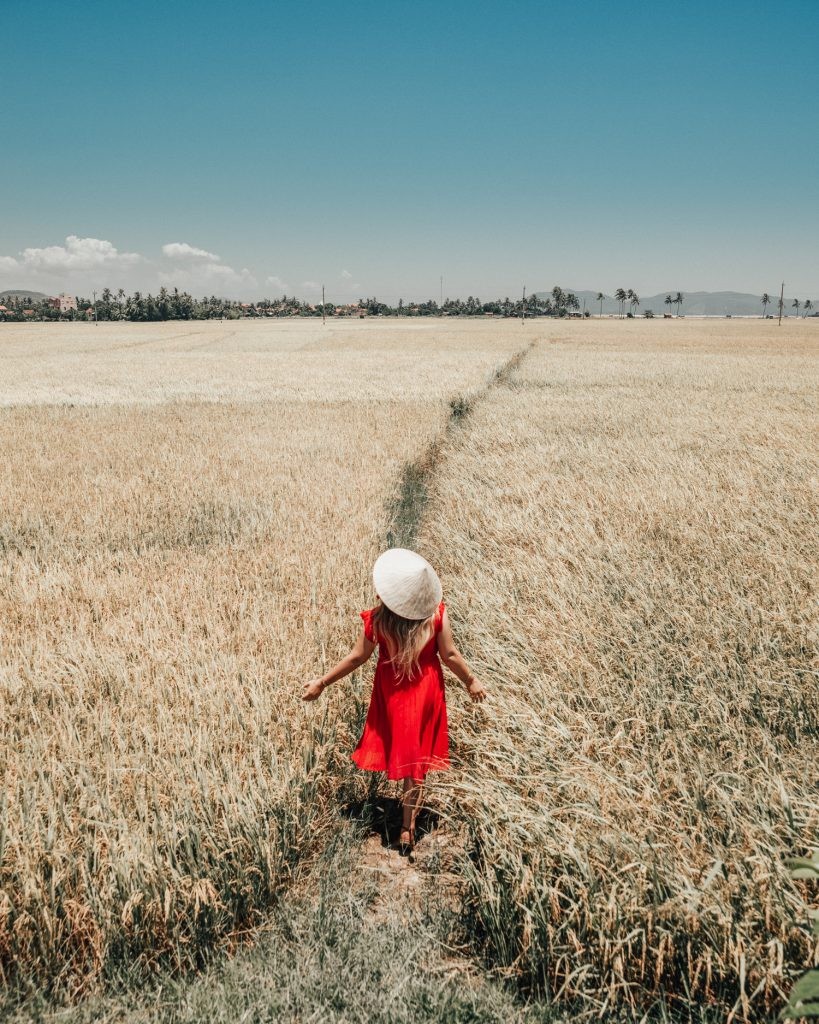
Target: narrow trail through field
(400, 880)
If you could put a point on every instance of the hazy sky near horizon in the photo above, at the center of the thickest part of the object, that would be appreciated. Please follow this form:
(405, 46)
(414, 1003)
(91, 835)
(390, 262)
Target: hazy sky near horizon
(252, 148)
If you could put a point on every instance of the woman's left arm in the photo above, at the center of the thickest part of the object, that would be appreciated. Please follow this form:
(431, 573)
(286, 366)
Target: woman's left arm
(360, 654)
(451, 657)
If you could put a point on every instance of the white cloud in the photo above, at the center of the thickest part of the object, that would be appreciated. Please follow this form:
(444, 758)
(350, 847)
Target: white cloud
(198, 270)
(183, 251)
(276, 282)
(83, 265)
(348, 287)
(202, 277)
(311, 286)
(77, 254)
(244, 275)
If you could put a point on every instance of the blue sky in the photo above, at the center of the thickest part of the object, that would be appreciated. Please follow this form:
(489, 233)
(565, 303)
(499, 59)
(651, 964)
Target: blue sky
(374, 146)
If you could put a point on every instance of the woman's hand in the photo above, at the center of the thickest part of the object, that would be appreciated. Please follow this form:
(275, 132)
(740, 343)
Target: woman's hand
(313, 690)
(476, 690)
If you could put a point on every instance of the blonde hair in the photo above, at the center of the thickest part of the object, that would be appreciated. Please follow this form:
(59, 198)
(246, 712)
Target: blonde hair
(403, 638)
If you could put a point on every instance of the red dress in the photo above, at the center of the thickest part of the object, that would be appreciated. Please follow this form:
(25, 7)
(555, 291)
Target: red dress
(405, 734)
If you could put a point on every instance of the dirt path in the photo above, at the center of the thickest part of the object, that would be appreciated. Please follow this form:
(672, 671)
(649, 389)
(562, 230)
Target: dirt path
(401, 881)
(407, 512)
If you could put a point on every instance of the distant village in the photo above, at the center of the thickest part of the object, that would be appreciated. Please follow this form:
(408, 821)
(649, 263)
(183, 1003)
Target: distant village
(169, 306)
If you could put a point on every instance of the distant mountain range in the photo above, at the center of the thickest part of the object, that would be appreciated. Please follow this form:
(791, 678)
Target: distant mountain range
(22, 294)
(694, 303)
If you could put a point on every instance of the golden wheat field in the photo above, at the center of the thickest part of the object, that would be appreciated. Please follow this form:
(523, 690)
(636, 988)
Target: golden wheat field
(625, 524)
(187, 528)
(629, 534)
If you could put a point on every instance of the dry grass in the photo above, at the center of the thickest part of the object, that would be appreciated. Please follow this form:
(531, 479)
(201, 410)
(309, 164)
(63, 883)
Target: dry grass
(250, 361)
(169, 575)
(628, 537)
(627, 531)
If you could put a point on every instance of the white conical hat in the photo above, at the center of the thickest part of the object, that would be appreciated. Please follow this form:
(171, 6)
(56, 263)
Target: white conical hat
(407, 584)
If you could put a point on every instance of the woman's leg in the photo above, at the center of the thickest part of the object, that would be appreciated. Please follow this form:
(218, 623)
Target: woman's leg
(410, 803)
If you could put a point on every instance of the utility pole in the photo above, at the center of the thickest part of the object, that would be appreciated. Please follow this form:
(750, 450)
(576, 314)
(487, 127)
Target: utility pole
(781, 303)
(95, 308)
(322, 306)
(442, 293)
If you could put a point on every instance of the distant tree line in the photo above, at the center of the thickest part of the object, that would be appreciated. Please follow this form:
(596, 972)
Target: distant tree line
(627, 297)
(165, 305)
(176, 305)
(797, 304)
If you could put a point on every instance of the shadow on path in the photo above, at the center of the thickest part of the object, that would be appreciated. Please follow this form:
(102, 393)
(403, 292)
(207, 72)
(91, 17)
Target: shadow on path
(381, 817)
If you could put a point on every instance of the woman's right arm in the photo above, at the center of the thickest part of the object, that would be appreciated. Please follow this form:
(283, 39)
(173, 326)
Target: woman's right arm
(355, 659)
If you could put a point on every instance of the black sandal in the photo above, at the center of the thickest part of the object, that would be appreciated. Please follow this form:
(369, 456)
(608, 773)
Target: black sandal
(405, 849)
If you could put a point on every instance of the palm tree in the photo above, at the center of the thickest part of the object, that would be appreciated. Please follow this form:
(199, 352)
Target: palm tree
(635, 302)
(678, 301)
(795, 305)
(162, 303)
(600, 297)
(669, 302)
(765, 300)
(807, 305)
(136, 307)
(621, 297)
